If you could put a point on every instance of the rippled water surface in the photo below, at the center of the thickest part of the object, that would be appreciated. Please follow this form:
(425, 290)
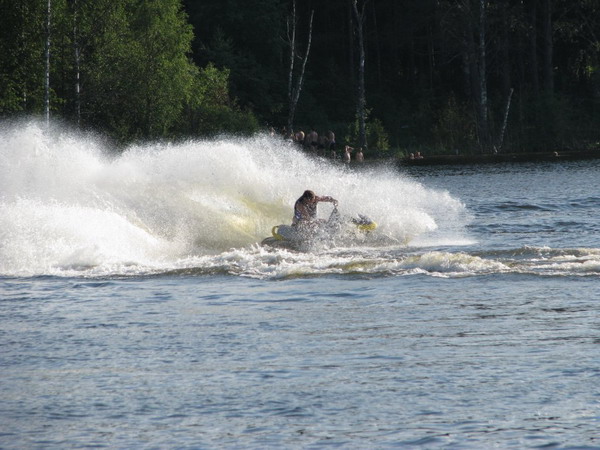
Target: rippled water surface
(138, 311)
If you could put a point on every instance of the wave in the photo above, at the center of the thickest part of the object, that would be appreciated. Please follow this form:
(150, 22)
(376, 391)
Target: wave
(71, 205)
(262, 263)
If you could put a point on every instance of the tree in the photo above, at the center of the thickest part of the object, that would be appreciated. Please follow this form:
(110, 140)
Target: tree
(122, 66)
(77, 60)
(22, 45)
(547, 46)
(47, 71)
(467, 25)
(211, 111)
(294, 90)
(246, 38)
(361, 100)
(138, 73)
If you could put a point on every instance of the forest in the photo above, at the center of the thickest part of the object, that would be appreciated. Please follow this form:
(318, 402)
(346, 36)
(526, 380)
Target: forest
(393, 76)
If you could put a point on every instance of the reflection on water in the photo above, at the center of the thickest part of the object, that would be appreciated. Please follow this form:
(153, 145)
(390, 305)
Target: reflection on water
(221, 361)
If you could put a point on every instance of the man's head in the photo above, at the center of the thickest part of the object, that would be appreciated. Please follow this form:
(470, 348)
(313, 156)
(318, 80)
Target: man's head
(308, 196)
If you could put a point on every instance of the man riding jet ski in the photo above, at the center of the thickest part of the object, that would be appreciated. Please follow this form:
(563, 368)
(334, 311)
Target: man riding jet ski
(306, 228)
(305, 208)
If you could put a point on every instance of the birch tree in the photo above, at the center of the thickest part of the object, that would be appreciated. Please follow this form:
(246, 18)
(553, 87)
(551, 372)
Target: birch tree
(484, 133)
(47, 74)
(359, 17)
(294, 89)
(77, 62)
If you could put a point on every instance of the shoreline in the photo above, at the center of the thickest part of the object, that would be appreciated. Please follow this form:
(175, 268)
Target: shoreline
(501, 158)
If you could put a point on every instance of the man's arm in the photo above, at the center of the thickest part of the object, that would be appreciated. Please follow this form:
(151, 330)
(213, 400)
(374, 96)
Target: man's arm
(327, 198)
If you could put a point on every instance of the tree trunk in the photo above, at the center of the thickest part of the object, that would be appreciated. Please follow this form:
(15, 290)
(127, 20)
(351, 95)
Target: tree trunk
(548, 76)
(77, 55)
(483, 100)
(535, 81)
(377, 48)
(294, 92)
(505, 50)
(505, 121)
(361, 113)
(292, 42)
(47, 77)
(351, 64)
(431, 57)
(469, 56)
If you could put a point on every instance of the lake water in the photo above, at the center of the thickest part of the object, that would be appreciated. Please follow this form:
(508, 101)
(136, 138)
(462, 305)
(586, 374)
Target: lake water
(138, 311)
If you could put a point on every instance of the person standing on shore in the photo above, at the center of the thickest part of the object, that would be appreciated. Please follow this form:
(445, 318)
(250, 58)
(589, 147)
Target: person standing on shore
(331, 139)
(359, 156)
(312, 140)
(323, 145)
(347, 156)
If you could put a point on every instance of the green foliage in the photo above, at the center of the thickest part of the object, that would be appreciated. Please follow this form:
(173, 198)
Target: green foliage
(212, 87)
(22, 45)
(138, 80)
(136, 77)
(549, 119)
(210, 111)
(377, 136)
(216, 119)
(246, 37)
(139, 73)
(455, 129)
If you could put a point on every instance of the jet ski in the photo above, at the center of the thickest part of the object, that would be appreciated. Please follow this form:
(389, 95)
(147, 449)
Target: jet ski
(337, 229)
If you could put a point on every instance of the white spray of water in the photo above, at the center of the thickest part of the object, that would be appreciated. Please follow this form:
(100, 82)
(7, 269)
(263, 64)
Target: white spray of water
(68, 203)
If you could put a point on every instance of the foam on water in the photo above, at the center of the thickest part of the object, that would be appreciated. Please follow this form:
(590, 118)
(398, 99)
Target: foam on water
(70, 205)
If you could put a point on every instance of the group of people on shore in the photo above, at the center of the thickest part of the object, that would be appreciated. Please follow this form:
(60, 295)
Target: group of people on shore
(323, 145)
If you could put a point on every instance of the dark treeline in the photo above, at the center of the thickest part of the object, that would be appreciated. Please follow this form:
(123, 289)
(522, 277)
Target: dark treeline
(438, 76)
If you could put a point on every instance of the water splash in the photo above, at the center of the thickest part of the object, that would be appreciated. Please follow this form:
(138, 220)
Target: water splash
(69, 203)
